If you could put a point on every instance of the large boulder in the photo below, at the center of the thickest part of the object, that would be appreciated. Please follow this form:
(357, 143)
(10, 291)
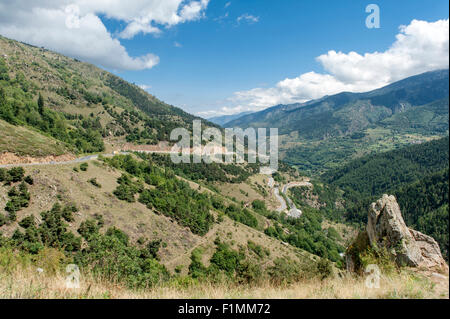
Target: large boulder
(387, 229)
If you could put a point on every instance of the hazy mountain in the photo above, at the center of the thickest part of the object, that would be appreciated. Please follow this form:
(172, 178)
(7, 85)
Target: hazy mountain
(224, 119)
(330, 131)
(346, 113)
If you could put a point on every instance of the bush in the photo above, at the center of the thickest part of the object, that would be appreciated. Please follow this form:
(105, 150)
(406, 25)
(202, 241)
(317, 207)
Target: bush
(88, 228)
(324, 268)
(120, 235)
(29, 180)
(284, 272)
(16, 174)
(257, 249)
(226, 259)
(259, 205)
(27, 222)
(196, 267)
(84, 167)
(2, 221)
(153, 248)
(243, 216)
(3, 175)
(19, 198)
(94, 182)
(249, 273)
(111, 258)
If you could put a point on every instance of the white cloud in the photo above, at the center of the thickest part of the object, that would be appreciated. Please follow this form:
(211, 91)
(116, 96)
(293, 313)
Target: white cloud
(419, 47)
(73, 27)
(177, 44)
(145, 86)
(247, 18)
(227, 4)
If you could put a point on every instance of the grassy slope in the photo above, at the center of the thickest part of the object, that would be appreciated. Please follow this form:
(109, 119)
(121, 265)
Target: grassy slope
(73, 87)
(51, 182)
(23, 141)
(27, 283)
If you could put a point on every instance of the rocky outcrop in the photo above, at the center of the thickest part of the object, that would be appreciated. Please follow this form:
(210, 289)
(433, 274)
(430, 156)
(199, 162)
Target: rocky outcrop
(387, 229)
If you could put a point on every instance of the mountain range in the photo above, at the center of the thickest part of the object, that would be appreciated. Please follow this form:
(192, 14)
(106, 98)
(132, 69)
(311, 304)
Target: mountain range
(348, 125)
(137, 220)
(224, 119)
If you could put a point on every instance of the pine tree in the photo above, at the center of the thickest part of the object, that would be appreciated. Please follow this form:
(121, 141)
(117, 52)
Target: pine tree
(2, 97)
(41, 104)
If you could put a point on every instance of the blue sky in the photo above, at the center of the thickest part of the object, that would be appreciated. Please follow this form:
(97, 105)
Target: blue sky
(219, 57)
(204, 59)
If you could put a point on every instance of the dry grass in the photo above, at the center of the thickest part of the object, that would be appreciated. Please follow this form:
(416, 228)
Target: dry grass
(28, 283)
(26, 142)
(51, 182)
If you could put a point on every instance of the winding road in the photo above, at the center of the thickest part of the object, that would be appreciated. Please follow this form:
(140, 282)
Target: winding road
(293, 210)
(75, 161)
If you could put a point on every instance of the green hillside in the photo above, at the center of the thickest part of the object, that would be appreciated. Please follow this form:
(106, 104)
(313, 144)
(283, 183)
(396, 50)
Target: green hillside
(23, 141)
(82, 106)
(325, 133)
(425, 207)
(375, 174)
(417, 175)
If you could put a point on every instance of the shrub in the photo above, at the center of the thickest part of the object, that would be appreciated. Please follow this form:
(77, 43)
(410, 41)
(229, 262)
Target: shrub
(88, 228)
(16, 174)
(120, 235)
(249, 273)
(2, 221)
(27, 222)
(284, 272)
(257, 249)
(324, 268)
(226, 259)
(3, 175)
(112, 259)
(94, 182)
(196, 267)
(243, 216)
(29, 180)
(19, 198)
(153, 248)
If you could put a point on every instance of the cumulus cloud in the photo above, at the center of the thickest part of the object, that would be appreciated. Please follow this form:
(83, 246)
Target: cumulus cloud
(419, 47)
(247, 18)
(73, 27)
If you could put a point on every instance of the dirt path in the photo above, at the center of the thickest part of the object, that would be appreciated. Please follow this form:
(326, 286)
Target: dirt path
(52, 161)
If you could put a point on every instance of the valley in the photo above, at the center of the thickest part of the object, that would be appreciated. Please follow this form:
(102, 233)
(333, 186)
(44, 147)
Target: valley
(323, 134)
(86, 179)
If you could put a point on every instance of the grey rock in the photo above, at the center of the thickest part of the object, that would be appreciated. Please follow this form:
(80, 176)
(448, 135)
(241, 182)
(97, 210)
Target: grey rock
(387, 229)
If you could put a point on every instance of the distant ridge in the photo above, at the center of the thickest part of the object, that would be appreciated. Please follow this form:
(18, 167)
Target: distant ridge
(224, 119)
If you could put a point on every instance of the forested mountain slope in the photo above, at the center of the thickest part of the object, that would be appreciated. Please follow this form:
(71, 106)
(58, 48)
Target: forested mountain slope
(77, 103)
(325, 133)
(378, 173)
(417, 175)
(346, 113)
